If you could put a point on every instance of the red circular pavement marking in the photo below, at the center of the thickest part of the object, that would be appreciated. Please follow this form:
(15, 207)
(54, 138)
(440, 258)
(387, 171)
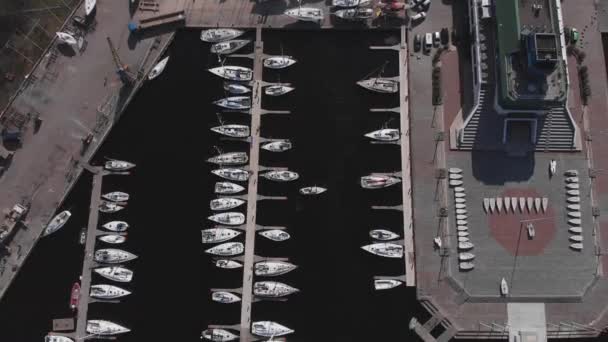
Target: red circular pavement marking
(510, 233)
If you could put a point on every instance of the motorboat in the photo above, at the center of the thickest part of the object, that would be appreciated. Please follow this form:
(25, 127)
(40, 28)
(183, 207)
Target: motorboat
(75, 296)
(115, 273)
(273, 268)
(113, 256)
(105, 328)
(116, 196)
(227, 264)
(275, 235)
(378, 181)
(350, 3)
(279, 62)
(110, 207)
(312, 190)
(281, 176)
(104, 291)
(57, 338)
(225, 203)
(233, 73)
(383, 235)
(218, 335)
(386, 284)
(234, 102)
(277, 146)
(228, 47)
(227, 249)
(158, 68)
(220, 34)
(227, 188)
(466, 266)
(57, 222)
(380, 85)
(116, 226)
(66, 38)
(466, 256)
(272, 289)
(385, 249)
(231, 158)
(214, 235)
(354, 14)
(118, 165)
(269, 329)
(231, 218)
(305, 14)
(461, 211)
(537, 204)
(277, 89)
(504, 287)
(235, 88)
(225, 297)
(233, 130)
(385, 134)
(232, 174)
(89, 6)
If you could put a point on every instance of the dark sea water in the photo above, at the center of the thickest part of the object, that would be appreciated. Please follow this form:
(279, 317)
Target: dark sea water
(165, 131)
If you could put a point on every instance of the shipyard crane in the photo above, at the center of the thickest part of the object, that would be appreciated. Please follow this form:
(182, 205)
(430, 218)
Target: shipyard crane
(126, 76)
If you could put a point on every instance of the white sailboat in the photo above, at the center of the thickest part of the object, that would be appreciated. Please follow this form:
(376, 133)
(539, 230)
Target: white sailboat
(227, 249)
(235, 88)
(232, 130)
(66, 38)
(232, 174)
(385, 134)
(158, 68)
(378, 181)
(105, 328)
(113, 256)
(220, 34)
(57, 338)
(272, 289)
(386, 284)
(234, 102)
(504, 287)
(116, 196)
(228, 47)
(227, 264)
(104, 291)
(385, 249)
(215, 235)
(231, 218)
(116, 226)
(277, 145)
(275, 235)
(230, 158)
(281, 176)
(218, 335)
(115, 273)
(269, 329)
(279, 62)
(312, 190)
(383, 235)
(380, 85)
(118, 165)
(233, 73)
(350, 3)
(89, 6)
(57, 222)
(354, 14)
(272, 268)
(305, 14)
(110, 207)
(225, 297)
(227, 188)
(114, 239)
(278, 89)
(225, 203)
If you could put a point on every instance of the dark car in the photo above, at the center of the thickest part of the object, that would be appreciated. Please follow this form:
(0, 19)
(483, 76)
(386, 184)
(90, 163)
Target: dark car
(417, 42)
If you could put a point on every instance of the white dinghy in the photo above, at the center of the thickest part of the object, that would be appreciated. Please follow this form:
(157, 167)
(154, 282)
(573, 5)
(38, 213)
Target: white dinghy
(158, 68)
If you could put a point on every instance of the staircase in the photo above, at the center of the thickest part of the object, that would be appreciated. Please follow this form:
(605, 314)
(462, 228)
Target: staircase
(470, 132)
(555, 132)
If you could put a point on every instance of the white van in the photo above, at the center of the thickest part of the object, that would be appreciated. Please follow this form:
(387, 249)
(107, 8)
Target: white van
(428, 41)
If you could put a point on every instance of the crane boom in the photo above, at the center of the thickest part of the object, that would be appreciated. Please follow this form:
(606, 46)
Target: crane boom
(122, 69)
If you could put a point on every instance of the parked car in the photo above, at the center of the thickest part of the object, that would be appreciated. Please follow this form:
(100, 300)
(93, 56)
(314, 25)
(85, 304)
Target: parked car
(428, 42)
(436, 39)
(574, 36)
(445, 36)
(417, 42)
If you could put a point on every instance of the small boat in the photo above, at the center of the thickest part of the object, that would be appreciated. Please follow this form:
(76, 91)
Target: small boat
(463, 239)
(513, 203)
(113, 256)
(544, 204)
(228, 47)
(279, 62)
(115, 273)
(459, 189)
(465, 245)
(116, 226)
(455, 176)
(462, 228)
(460, 195)
(385, 134)
(277, 146)
(573, 192)
(305, 14)
(507, 202)
(220, 34)
(552, 167)
(571, 179)
(461, 217)
(116, 196)
(232, 174)
(269, 329)
(75, 296)
(504, 287)
(312, 190)
(529, 204)
(537, 202)
(383, 235)
(234, 102)
(233, 73)
(278, 89)
(83, 236)
(571, 173)
(463, 233)
(575, 214)
(158, 68)
(89, 6)
(105, 328)
(118, 165)
(225, 297)
(350, 3)
(575, 230)
(573, 186)
(228, 264)
(576, 207)
(460, 200)
(461, 211)
(104, 291)
(577, 246)
(354, 14)
(57, 222)
(461, 206)
(437, 242)
(229, 218)
(281, 176)
(273, 268)
(218, 335)
(272, 289)
(66, 38)
(499, 204)
(385, 249)
(466, 266)
(275, 235)
(227, 249)
(454, 170)
(227, 188)
(575, 221)
(215, 235)
(380, 85)
(573, 199)
(522, 204)
(235, 131)
(110, 207)
(461, 222)
(114, 239)
(386, 284)
(576, 238)
(225, 203)
(455, 182)
(465, 256)
(378, 181)
(235, 88)
(57, 338)
(231, 158)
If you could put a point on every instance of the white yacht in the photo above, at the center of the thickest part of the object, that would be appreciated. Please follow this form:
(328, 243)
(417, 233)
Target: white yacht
(235, 88)
(385, 134)
(232, 174)
(227, 264)
(227, 249)
(231, 218)
(354, 14)
(305, 14)
(234, 102)
(104, 291)
(89, 6)
(228, 47)
(116, 226)
(235, 131)
(225, 203)
(214, 235)
(57, 338)
(386, 284)
(383, 235)
(225, 297)
(116, 196)
(275, 235)
(504, 287)
(227, 188)
(113, 256)
(273, 268)
(220, 34)
(350, 3)
(273, 289)
(118, 165)
(218, 335)
(281, 176)
(378, 181)
(106, 328)
(277, 146)
(233, 73)
(110, 207)
(279, 62)
(278, 90)
(158, 68)
(380, 85)
(115, 273)
(66, 38)
(312, 190)
(269, 329)
(57, 222)
(385, 249)
(230, 158)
